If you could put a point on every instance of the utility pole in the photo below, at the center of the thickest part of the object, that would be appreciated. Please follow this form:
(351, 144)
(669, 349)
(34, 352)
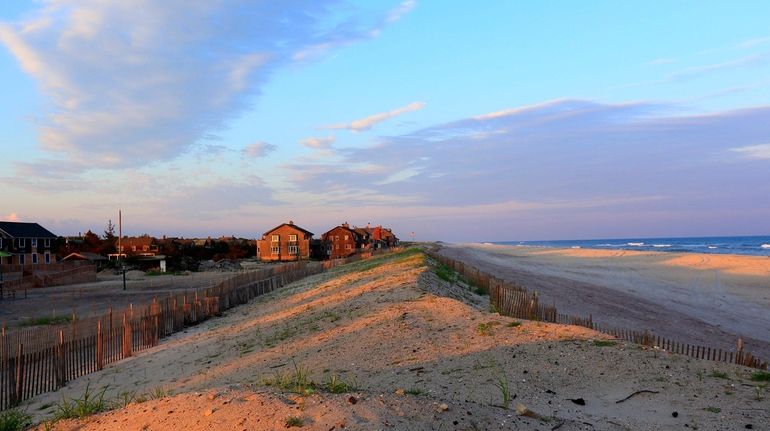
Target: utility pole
(120, 246)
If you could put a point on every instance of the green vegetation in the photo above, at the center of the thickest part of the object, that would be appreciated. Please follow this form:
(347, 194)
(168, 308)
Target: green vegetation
(502, 384)
(486, 328)
(14, 420)
(604, 343)
(413, 391)
(46, 320)
(760, 376)
(713, 409)
(90, 403)
(123, 399)
(444, 272)
(480, 291)
(298, 381)
(335, 385)
(293, 421)
(718, 375)
(513, 324)
(365, 265)
(159, 392)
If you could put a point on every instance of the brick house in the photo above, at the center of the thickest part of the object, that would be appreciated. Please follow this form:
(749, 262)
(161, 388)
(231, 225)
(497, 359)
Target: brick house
(341, 241)
(29, 243)
(144, 245)
(285, 242)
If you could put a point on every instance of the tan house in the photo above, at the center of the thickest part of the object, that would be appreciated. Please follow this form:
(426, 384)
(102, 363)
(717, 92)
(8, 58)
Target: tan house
(286, 242)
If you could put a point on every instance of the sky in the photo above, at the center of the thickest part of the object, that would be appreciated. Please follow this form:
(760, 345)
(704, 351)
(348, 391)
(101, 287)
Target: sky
(444, 120)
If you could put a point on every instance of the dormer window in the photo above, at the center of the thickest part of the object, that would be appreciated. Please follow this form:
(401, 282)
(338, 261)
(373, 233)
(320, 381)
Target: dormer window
(33, 242)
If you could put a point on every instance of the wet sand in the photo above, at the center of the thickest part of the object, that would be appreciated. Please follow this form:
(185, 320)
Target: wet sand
(706, 299)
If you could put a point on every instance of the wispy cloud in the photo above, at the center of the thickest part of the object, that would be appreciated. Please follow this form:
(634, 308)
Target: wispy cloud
(258, 149)
(130, 84)
(318, 143)
(398, 12)
(559, 151)
(662, 60)
(367, 122)
(691, 72)
(761, 151)
(752, 43)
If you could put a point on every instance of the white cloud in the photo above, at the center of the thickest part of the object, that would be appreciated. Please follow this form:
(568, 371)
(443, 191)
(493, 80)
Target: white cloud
(761, 151)
(368, 122)
(258, 149)
(11, 217)
(318, 143)
(133, 83)
(399, 11)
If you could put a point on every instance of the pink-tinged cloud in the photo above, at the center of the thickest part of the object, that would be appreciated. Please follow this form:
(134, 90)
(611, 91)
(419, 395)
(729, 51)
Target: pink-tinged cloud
(367, 122)
(258, 149)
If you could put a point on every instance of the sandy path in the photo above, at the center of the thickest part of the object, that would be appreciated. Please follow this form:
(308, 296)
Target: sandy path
(420, 358)
(702, 299)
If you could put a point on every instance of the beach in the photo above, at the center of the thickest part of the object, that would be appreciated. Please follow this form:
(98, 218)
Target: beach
(408, 350)
(706, 299)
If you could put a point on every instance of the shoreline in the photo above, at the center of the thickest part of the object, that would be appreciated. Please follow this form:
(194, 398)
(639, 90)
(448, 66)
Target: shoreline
(708, 299)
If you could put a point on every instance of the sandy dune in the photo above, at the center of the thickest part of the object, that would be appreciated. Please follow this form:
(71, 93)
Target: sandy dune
(422, 354)
(696, 298)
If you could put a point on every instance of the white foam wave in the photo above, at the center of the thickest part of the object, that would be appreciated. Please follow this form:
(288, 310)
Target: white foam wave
(635, 244)
(661, 245)
(765, 246)
(712, 247)
(575, 246)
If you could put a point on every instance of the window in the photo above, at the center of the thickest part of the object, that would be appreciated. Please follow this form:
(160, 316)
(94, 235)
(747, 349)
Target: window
(275, 249)
(22, 242)
(293, 249)
(347, 247)
(47, 242)
(292, 238)
(133, 248)
(275, 238)
(22, 258)
(337, 246)
(34, 258)
(33, 242)
(336, 237)
(47, 257)
(346, 237)
(145, 248)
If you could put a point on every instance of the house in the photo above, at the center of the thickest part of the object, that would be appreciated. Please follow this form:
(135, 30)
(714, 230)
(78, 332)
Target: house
(85, 256)
(374, 238)
(144, 245)
(28, 243)
(342, 241)
(285, 242)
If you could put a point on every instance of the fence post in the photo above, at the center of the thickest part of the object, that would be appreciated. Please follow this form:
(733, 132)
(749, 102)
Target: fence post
(18, 395)
(99, 346)
(127, 337)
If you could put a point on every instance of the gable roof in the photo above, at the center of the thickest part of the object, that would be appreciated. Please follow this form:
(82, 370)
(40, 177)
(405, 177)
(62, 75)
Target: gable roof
(25, 230)
(290, 224)
(355, 234)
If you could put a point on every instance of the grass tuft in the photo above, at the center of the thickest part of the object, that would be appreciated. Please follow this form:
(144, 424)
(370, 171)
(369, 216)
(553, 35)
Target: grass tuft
(718, 374)
(46, 321)
(604, 343)
(14, 420)
(293, 421)
(336, 385)
(713, 409)
(761, 376)
(89, 404)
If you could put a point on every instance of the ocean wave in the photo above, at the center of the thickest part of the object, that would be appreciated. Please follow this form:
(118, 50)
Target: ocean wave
(661, 245)
(635, 244)
(712, 247)
(765, 246)
(575, 246)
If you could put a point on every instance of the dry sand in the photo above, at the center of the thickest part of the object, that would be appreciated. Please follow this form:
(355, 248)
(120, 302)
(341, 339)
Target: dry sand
(423, 355)
(705, 299)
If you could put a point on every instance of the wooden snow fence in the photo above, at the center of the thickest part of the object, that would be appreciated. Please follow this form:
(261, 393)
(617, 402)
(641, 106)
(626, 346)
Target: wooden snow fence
(512, 299)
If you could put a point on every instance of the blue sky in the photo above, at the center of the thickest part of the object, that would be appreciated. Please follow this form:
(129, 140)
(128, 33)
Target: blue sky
(453, 120)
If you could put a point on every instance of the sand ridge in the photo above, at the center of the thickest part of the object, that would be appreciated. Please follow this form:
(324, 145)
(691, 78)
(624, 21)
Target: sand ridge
(419, 360)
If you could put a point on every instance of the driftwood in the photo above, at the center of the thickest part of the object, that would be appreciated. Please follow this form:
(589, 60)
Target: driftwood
(643, 391)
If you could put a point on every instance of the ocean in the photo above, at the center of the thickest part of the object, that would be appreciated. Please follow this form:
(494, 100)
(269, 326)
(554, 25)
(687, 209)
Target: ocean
(748, 245)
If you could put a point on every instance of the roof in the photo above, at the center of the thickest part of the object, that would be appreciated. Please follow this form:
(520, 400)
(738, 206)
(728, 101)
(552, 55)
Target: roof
(84, 255)
(290, 224)
(343, 228)
(24, 230)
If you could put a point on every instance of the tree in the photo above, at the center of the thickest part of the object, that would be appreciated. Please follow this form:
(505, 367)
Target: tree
(92, 242)
(108, 246)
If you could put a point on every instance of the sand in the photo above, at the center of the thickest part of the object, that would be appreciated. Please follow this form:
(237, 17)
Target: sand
(705, 299)
(422, 354)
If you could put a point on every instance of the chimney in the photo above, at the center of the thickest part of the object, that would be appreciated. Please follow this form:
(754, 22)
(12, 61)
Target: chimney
(291, 222)
(368, 225)
(345, 225)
